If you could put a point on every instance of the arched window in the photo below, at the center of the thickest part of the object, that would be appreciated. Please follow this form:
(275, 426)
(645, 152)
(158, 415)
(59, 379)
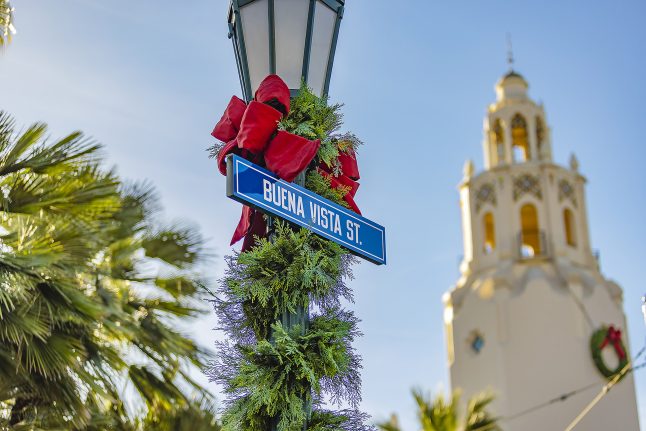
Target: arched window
(519, 138)
(530, 236)
(568, 226)
(499, 141)
(489, 233)
(540, 136)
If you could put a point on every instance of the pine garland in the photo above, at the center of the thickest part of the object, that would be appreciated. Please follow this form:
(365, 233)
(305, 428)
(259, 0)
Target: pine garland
(267, 370)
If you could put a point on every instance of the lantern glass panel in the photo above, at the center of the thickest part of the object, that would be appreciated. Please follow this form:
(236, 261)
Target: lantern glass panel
(290, 18)
(323, 31)
(255, 32)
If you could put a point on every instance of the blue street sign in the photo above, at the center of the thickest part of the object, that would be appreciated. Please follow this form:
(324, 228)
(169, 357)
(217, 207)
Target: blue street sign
(257, 187)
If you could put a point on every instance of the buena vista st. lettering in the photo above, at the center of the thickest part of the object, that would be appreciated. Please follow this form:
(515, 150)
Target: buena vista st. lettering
(324, 218)
(282, 197)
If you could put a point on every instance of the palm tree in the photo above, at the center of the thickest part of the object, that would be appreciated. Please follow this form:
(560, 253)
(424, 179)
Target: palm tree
(199, 415)
(6, 22)
(92, 285)
(442, 414)
(54, 201)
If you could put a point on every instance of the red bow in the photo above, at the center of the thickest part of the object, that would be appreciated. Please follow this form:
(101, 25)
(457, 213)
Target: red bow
(251, 131)
(613, 336)
(348, 179)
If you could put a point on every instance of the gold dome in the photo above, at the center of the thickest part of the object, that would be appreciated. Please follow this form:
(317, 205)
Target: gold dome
(513, 77)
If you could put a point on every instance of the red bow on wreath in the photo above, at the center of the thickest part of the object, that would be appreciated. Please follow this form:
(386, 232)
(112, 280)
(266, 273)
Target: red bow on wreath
(250, 131)
(613, 337)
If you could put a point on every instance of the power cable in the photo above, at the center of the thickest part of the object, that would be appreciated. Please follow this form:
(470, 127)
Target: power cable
(581, 306)
(606, 388)
(558, 399)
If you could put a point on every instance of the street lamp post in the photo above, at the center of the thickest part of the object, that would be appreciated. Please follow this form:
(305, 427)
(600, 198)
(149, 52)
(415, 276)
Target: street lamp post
(296, 40)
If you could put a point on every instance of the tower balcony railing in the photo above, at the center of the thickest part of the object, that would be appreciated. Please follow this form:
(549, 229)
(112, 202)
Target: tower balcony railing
(532, 244)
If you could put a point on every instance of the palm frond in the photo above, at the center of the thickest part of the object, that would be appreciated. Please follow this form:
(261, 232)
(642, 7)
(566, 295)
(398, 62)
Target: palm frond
(22, 325)
(197, 415)
(178, 244)
(156, 391)
(83, 194)
(140, 203)
(178, 286)
(7, 29)
(76, 293)
(477, 417)
(9, 162)
(390, 425)
(28, 152)
(438, 414)
(6, 123)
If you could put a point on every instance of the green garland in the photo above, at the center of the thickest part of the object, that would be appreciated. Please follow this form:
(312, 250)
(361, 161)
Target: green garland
(596, 341)
(266, 370)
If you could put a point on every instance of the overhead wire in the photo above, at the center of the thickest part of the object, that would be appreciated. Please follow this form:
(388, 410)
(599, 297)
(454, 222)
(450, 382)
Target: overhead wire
(581, 306)
(558, 399)
(561, 398)
(606, 389)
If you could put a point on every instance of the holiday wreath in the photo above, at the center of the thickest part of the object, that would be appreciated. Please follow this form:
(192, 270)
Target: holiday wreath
(608, 336)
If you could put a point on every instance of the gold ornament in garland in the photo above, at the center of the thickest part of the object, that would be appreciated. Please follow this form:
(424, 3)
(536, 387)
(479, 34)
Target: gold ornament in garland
(608, 336)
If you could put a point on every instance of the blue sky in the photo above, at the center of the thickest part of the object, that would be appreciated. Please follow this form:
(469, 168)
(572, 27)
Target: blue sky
(150, 78)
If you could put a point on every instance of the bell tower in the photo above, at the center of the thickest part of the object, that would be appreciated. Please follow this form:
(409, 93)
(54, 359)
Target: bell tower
(515, 126)
(519, 320)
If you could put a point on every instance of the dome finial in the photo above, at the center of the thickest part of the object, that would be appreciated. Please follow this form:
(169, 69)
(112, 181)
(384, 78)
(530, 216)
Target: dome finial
(468, 170)
(510, 53)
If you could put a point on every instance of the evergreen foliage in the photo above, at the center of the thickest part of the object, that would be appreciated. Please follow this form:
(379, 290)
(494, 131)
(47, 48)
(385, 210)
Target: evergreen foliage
(321, 185)
(91, 285)
(267, 370)
(313, 118)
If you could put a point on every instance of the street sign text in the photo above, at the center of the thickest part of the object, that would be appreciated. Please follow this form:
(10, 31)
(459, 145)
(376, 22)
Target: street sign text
(257, 187)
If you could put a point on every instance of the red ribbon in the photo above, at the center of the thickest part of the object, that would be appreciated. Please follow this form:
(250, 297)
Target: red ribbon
(613, 337)
(250, 131)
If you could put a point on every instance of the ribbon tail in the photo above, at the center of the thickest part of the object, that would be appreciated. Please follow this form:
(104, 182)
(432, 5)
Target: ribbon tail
(620, 351)
(243, 225)
(351, 203)
(258, 229)
(343, 181)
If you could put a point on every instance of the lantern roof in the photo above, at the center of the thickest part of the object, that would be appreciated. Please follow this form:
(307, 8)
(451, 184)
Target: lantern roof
(294, 39)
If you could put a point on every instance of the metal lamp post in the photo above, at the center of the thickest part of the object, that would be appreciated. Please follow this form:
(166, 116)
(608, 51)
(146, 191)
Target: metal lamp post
(294, 39)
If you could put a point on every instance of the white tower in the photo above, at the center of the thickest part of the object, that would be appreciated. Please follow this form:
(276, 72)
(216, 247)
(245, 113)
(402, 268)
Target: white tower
(520, 318)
